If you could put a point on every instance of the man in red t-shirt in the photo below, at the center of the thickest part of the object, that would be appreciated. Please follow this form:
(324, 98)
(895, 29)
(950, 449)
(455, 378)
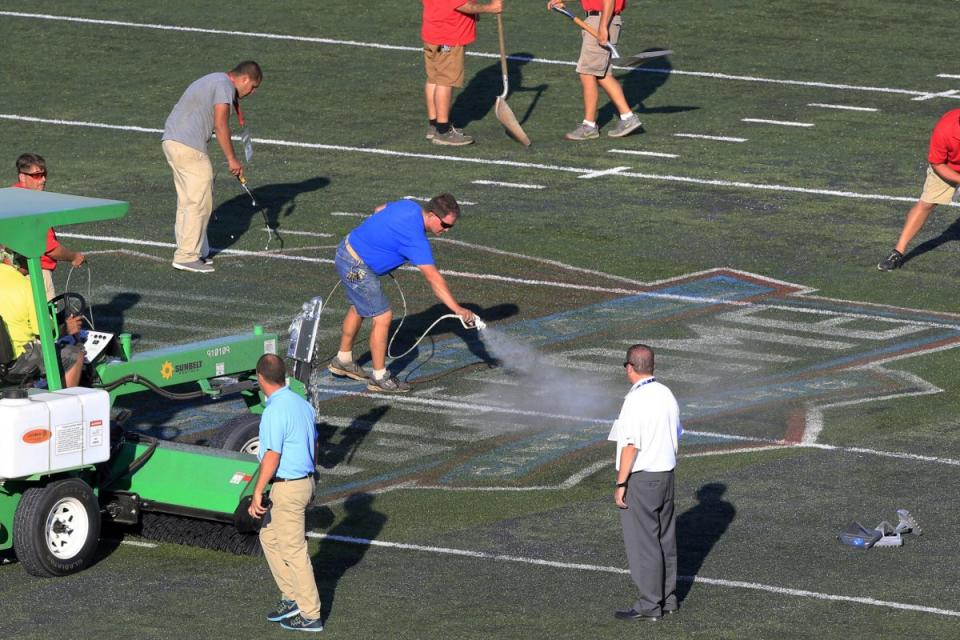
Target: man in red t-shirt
(32, 174)
(940, 186)
(448, 26)
(593, 67)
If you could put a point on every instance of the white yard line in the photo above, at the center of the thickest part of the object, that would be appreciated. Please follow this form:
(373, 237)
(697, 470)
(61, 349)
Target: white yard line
(574, 566)
(465, 203)
(314, 234)
(555, 263)
(840, 106)
(350, 214)
(599, 173)
(478, 54)
(700, 136)
(948, 75)
(654, 154)
(514, 185)
(952, 93)
(783, 123)
(585, 172)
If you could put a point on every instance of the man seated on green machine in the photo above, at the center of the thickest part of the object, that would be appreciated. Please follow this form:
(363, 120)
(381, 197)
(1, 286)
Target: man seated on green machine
(20, 319)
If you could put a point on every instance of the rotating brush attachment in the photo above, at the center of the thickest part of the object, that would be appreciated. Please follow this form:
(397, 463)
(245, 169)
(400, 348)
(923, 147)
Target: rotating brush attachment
(206, 534)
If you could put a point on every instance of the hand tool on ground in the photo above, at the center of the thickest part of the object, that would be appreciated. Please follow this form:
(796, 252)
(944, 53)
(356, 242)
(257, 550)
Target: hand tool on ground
(502, 109)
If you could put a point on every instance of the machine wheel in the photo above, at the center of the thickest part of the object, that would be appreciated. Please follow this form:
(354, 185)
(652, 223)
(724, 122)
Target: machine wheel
(57, 528)
(239, 433)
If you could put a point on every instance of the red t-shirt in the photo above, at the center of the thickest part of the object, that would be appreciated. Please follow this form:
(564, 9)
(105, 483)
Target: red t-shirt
(945, 141)
(46, 261)
(443, 24)
(597, 5)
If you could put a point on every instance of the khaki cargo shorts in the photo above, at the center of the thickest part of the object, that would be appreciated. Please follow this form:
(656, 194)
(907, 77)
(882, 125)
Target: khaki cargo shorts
(936, 190)
(444, 64)
(594, 59)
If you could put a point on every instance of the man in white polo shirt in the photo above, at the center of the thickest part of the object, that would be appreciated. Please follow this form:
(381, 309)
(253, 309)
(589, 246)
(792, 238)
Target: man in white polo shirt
(647, 432)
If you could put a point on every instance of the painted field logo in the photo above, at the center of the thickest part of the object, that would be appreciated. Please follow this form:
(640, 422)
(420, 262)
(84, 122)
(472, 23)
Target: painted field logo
(36, 436)
(749, 358)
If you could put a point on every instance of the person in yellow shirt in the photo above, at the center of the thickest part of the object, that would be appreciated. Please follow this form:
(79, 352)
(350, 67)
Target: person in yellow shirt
(20, 319)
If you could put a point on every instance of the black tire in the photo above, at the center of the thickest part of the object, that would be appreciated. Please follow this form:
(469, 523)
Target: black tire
(56, 528)
(239, 433)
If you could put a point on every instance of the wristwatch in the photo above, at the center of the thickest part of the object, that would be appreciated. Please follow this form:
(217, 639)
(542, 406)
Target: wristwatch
(621, 484)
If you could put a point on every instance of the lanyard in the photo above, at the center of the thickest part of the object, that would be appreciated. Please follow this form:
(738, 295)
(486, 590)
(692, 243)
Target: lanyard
(236, 107)
(647, 381)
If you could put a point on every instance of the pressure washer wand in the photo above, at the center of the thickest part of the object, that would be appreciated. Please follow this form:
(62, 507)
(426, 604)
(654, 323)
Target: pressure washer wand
(243, 183)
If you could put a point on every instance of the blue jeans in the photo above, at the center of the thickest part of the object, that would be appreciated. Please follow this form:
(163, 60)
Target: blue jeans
(361, 284)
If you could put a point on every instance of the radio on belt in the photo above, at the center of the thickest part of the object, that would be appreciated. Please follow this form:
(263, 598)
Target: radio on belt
(53, 431)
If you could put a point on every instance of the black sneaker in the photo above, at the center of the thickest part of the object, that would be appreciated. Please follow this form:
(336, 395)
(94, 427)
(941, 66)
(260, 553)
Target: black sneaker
(284, 610)
(891, 262)
(299, 623)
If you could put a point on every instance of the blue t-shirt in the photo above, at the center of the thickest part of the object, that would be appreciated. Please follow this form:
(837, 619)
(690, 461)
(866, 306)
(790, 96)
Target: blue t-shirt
(396, 235)
(288, 426)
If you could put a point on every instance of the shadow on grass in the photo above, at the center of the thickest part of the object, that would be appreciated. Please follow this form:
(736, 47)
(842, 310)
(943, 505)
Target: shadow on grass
(110, 317)
(237, 215)
(640, 84)
(698, 530)
(335, 557)
(476, 100)
(950, 234)
(343, 451)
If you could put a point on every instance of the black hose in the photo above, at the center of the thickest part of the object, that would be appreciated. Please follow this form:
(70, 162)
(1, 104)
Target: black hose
(137, 463)
(135, 378)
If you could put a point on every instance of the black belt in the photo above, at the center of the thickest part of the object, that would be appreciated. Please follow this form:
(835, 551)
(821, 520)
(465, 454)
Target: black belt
(276, 480)
(596, 13)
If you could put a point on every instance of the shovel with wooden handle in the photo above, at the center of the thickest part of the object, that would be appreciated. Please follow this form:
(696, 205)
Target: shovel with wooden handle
(502, 109)
(586, 27)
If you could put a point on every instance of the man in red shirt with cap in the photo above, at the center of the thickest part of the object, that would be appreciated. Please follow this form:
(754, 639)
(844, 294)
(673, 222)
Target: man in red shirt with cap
(594, 69)
(32, 174)
(448, 26)
(940, 187)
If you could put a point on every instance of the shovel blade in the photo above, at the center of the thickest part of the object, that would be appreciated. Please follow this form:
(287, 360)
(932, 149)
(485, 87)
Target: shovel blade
(509, 121)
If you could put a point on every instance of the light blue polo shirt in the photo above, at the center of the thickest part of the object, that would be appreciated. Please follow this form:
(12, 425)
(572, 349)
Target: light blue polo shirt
(288, 426)
(391, 237)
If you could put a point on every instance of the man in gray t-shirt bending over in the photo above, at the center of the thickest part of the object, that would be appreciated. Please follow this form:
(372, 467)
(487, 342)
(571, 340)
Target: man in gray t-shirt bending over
(203, 108)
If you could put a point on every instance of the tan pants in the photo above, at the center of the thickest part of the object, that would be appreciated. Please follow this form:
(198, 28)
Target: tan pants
(48, 284)
(284, 544)
(193, 177)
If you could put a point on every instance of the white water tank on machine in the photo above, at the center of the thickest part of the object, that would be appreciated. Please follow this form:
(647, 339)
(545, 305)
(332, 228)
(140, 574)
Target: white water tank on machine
(48, 431)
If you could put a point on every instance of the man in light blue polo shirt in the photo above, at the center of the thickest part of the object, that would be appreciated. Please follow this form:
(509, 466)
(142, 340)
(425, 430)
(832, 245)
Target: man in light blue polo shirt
(288, 437)
(394, 235)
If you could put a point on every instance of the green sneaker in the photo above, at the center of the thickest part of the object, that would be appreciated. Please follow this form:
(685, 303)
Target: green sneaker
(584, 132)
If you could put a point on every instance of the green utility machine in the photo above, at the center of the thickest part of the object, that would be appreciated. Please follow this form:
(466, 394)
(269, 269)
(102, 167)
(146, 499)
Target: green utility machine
(67, 467)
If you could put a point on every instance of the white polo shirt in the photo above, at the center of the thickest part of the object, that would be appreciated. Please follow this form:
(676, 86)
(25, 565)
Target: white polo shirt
(650, 421)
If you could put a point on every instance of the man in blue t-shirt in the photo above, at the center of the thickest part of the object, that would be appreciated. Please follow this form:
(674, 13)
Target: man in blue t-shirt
(394, 235)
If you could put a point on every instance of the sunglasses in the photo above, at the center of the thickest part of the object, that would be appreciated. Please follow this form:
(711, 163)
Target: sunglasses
(37, 175)
(445, 225)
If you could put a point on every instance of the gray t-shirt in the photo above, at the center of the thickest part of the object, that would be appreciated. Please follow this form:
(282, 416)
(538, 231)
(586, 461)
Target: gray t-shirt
(191, 121)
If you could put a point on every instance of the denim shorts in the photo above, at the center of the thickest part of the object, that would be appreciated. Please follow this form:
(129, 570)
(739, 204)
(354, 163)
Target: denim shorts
(361, 284)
